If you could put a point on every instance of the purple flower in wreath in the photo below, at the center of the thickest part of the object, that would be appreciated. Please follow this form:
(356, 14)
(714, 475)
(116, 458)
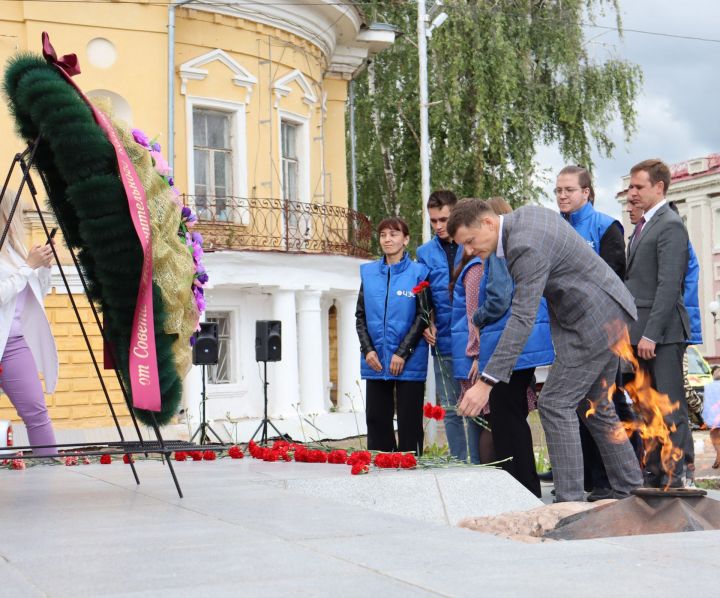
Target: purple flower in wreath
(141, 138)
(199, 298)
(155, 147)
(197, 238)
(202, 277)
(197, 251)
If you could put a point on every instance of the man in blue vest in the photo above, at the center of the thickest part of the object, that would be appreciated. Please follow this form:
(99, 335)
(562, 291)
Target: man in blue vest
(442, 255)
(575, 199)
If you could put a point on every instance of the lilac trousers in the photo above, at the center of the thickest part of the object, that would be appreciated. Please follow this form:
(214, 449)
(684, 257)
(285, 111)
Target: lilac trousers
(20, 382)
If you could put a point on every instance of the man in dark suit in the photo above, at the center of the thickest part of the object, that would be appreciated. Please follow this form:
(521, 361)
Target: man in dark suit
(656, 265)
(589, 308)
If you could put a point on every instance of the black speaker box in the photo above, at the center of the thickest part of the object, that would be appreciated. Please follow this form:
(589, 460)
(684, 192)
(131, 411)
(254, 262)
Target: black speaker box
(268, 340)
(205, 349)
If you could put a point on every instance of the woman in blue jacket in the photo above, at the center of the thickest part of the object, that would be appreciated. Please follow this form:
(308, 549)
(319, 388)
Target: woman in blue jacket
(390, 320)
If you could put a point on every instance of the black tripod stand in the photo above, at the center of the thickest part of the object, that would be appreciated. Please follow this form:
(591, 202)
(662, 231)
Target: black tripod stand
(266, 421)
(204, 427)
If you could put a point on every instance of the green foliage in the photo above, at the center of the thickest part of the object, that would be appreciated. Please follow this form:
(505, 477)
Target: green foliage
(78, 165)
(504, 77)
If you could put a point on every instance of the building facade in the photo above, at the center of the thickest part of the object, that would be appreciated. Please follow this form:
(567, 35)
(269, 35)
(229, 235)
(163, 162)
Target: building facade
(248, 102)
(695, 189)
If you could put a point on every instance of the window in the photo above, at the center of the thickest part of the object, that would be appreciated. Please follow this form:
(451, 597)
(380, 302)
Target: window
(221, 373)
(298, 222)
(290, 162)
(213, 158)
(716, 228)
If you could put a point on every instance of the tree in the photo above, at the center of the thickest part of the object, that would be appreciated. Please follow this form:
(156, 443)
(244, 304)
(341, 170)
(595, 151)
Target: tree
(505, 76)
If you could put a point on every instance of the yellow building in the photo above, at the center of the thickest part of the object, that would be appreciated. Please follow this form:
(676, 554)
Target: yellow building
(248, 101)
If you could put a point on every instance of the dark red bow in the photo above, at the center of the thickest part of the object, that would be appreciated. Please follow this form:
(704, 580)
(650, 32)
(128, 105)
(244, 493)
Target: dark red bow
(68, 63)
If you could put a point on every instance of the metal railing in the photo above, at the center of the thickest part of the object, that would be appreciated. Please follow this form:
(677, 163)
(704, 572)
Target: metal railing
(272, 224)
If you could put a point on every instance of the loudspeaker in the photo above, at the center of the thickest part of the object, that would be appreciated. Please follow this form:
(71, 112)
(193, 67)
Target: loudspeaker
(205, 349)
(268, 340)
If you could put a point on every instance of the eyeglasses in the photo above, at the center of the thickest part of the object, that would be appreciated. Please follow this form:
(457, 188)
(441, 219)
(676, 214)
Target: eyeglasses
(567, 190)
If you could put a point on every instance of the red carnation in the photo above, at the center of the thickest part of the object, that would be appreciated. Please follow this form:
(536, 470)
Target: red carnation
(359, 468)
(235, 452)
(338, 456)
(196, 455)
(209, 456)
(408, 461)
(360, 457)
(270, 455)
(17, 464)
(396, 460)
(428, 410)
(419, 288)
(106, 459)
(128, 459)
(438, 413)
(181, 456)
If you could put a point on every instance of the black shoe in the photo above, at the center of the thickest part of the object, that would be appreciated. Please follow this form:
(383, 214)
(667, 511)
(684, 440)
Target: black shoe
(601, 494)
(546, 476)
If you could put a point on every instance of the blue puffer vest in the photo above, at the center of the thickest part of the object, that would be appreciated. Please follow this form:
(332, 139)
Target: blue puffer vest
(538, 349)
(591, 225)
(692, 304)
(459, 327)
(389, 313)
(434, 257)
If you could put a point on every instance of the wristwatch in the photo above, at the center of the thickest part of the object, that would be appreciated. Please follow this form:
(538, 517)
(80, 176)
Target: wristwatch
(486, 380)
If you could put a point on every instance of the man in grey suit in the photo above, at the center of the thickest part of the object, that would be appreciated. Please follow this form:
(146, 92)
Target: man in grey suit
(656, 265)
(590, 309)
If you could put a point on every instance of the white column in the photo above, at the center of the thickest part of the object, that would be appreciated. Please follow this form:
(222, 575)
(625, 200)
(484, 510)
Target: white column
(349, 395)
(310, 353)
(283, 375)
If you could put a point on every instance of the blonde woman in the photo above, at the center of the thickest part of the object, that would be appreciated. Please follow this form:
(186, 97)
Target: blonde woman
(26, 341)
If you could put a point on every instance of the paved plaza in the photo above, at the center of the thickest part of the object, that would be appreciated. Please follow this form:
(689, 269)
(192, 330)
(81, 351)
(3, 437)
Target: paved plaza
(248, 528)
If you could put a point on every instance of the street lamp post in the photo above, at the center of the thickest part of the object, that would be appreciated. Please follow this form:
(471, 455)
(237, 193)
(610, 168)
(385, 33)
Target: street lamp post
(425, 32)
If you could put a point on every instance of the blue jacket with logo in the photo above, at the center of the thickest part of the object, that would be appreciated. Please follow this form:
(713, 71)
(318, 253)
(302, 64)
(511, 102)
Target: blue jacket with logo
(434, 257)
(591, 225)
(692, 304)
(495, 299)
(459, 327)
(389, 313)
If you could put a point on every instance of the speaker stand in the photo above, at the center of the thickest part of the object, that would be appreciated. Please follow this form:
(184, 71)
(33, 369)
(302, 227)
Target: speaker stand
(266, 421)
(204, 427)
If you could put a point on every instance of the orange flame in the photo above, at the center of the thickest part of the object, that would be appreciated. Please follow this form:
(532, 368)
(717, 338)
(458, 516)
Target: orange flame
(652, 407)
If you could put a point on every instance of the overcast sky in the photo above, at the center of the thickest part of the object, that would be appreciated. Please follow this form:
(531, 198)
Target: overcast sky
(679, 104)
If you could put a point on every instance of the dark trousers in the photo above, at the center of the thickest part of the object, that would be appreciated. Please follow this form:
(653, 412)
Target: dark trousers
(667, 378)
(510, 430)
(382, 396)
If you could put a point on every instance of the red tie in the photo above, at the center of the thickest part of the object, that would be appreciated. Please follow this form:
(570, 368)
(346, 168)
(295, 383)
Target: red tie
(638, 230)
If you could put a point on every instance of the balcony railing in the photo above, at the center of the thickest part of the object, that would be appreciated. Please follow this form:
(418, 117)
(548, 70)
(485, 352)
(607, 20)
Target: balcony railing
(280, 225)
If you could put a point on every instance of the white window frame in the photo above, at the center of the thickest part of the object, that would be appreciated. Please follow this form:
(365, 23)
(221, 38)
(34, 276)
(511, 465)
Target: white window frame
(238, 386)
(238, 129)
(303, 141)
(230, 345)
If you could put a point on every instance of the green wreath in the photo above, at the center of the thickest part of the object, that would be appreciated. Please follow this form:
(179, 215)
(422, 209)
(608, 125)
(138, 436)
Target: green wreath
(86, 194)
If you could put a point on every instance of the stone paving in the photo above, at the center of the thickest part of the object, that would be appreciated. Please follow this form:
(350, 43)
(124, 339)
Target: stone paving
(242, 530)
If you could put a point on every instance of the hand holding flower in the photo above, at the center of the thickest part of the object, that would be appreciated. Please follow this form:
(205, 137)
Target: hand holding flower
(430, 335)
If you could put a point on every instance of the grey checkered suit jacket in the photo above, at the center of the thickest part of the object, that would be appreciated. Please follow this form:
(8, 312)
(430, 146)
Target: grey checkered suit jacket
(655, 276)
(546, 257)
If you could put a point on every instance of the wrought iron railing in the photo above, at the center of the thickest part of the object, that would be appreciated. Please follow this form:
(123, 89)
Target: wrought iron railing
(280, 225)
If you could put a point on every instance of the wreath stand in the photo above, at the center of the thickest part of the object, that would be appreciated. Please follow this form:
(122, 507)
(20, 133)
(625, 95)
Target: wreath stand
(25, 161)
